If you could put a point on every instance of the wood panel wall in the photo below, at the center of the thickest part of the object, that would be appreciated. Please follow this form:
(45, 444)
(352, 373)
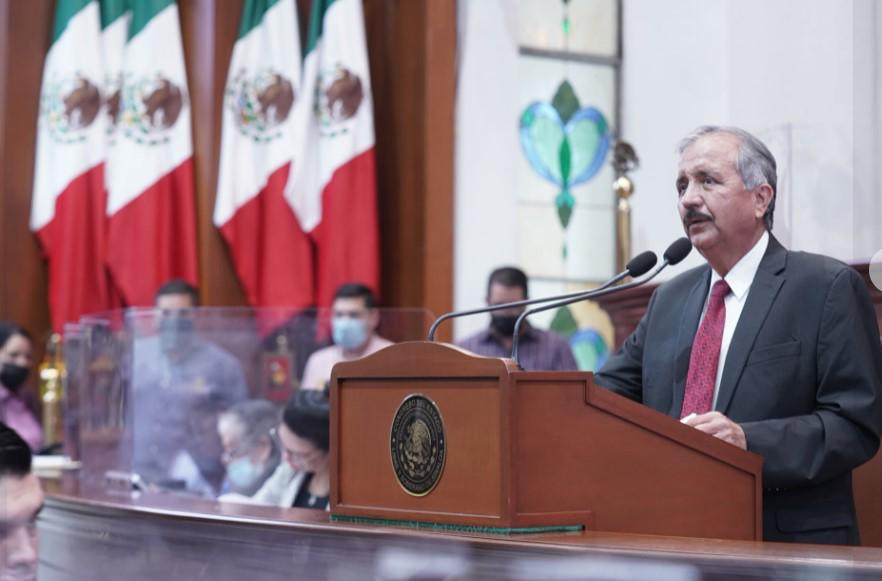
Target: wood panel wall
(24, 38)
(411, 46)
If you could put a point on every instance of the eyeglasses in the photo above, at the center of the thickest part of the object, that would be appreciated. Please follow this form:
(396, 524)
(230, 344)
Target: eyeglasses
(229, 455)
(243, 448)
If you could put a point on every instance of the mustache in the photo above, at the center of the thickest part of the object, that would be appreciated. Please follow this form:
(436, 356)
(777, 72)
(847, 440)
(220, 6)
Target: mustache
(692, 215)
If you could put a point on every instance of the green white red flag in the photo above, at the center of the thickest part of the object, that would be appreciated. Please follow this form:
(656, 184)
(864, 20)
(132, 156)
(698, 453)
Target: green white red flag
(115, 17)
(333, 186)
(69, 199)
(271, 253)
(151, 205)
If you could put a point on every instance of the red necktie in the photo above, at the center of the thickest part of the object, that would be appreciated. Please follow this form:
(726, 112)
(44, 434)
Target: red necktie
(705, 357)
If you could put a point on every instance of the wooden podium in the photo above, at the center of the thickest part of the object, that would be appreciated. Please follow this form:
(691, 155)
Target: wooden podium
(531, 452)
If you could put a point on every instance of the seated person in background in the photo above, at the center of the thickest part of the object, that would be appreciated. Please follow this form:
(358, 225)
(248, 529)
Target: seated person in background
(250, 455)
(16, 361)
(20, 500)
(354, 329)
(538, 350)
(303, 479)
(180, 383)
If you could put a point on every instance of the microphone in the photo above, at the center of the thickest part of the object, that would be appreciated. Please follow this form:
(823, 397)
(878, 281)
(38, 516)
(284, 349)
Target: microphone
(674, 254)
(644, 261)
(638, 266)
(677, 251)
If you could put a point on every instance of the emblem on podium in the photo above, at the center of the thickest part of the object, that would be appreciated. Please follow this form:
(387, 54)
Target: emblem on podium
(418, 445)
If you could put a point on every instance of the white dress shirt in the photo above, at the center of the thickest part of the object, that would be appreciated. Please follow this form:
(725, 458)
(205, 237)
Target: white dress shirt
(739, 280)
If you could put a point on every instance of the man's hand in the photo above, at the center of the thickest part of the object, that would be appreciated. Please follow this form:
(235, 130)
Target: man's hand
(718, 426)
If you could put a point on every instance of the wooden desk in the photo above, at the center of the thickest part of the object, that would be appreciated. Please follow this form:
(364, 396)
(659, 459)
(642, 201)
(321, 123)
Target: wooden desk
(90, 533)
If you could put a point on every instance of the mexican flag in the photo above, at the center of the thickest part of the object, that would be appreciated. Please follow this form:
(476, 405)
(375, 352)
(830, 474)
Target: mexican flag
(333, 189)
(69, 200)
(271, 253)
(151, 206)
(115, 17)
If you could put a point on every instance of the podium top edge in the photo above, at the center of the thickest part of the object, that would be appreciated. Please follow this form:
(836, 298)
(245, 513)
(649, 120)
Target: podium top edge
(424, 358)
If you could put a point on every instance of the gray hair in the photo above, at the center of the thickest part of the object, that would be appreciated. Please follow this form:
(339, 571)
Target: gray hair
(756, 164)
(256, 416)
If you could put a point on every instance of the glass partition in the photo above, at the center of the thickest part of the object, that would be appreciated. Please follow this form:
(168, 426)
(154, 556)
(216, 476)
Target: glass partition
(145, 388)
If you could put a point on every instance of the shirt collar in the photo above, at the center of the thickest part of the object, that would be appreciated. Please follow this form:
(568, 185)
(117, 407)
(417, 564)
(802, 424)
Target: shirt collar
(741, 275)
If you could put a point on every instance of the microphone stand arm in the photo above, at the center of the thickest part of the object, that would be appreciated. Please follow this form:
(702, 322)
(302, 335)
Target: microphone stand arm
(523, 303)
(593, 293)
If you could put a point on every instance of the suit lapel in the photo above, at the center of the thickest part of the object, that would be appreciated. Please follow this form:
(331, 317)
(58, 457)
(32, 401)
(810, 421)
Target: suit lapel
(685, 335)
(763, 290)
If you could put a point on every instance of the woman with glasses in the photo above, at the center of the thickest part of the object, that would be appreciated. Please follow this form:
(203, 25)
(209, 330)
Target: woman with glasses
(303, 478)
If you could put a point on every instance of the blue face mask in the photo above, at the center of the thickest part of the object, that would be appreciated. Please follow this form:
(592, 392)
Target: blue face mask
(349, 333)
(242, 473)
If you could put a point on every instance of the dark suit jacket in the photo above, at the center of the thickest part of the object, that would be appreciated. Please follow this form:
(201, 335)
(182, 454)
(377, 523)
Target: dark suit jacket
(802, 377)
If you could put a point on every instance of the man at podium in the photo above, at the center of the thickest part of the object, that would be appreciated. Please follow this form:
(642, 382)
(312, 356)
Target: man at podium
(773, 351)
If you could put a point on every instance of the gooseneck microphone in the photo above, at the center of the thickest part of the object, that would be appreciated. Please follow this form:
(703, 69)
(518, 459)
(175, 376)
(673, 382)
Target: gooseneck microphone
(674, 254)
(645, 258)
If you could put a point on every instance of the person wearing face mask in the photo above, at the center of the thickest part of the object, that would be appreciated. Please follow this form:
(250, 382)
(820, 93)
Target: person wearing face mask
(539, 350)
(250, 454)
(303, 478)
(181, 382)
(354, 329)
(15, 365)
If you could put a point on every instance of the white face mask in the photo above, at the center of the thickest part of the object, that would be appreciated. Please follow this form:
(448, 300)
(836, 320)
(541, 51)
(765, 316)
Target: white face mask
(349, 333)
(243, 473)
